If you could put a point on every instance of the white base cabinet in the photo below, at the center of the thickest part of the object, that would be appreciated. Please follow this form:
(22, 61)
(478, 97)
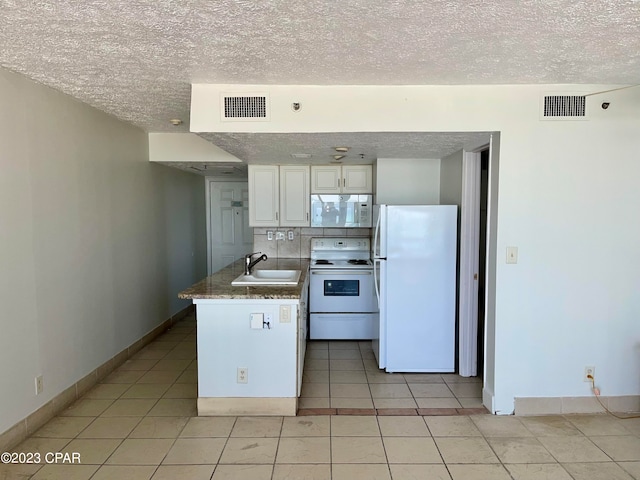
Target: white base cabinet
(250, 371)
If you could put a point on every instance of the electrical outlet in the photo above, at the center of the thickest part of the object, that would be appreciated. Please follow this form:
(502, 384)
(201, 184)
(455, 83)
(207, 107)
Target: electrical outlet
(589, 371)
(243, 375)
(39, 384)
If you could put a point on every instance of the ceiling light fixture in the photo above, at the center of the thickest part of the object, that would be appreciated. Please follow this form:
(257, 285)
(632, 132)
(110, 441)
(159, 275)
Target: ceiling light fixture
(175, 122)
(341, 149)
(338, 158)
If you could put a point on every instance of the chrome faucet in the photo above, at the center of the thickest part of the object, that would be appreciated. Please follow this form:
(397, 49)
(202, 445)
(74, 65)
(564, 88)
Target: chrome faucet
(248, 264)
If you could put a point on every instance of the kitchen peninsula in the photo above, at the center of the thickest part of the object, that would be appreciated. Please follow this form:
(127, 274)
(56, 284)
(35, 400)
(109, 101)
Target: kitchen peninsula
(251, 341)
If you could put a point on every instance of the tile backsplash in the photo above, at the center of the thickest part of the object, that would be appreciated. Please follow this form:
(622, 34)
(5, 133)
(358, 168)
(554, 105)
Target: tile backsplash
(300, 246)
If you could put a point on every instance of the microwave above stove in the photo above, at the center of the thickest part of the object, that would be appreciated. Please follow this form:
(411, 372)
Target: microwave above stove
(341, 211)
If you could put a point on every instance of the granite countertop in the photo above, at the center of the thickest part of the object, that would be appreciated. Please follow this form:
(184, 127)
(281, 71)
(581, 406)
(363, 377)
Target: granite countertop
(218, 285)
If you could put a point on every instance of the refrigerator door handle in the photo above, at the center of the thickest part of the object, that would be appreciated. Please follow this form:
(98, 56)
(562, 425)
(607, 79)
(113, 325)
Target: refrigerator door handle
(376, 234)
(375, 280)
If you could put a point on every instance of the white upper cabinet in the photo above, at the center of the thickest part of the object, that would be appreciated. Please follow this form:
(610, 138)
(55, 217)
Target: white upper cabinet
(294, 196)
(264, 196)
(341, 179)
(326, 179)
(357, 179)
(278, 196)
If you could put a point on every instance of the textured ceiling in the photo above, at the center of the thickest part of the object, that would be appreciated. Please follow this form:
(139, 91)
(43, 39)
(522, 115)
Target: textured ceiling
(137, 59)
(230, 171)
(365, 147)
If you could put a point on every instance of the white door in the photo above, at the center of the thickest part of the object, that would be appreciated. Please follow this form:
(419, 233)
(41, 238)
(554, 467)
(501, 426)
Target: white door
(228, 231)
(469, 258)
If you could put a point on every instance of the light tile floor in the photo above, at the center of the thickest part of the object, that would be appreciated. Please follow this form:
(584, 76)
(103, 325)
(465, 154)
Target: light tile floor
(345, 375)
(140, 423)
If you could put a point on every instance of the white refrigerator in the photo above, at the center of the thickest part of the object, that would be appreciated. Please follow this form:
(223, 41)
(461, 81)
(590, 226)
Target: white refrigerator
(414, 253)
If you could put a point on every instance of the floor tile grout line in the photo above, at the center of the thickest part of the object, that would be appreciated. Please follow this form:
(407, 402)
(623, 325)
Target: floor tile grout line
(226, 442)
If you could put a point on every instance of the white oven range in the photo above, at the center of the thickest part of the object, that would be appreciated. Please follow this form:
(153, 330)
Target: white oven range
(342, 299)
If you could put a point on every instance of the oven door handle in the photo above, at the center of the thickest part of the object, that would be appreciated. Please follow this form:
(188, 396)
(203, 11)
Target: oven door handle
(341, 272)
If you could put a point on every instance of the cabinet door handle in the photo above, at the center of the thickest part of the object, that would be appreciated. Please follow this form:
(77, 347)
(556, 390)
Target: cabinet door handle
(277, 216)
(344, 182)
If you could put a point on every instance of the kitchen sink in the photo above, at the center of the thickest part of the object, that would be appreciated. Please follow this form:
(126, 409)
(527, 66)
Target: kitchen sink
(268, 277)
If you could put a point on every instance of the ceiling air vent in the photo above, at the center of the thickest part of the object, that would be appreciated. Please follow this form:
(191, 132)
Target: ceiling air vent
(249, 107)
(564, 107)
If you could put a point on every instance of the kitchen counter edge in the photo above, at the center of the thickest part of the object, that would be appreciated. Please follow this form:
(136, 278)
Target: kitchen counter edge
(218, 285)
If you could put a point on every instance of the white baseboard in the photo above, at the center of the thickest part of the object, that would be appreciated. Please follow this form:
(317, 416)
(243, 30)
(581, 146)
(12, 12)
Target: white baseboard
(228, 406)
(487, 399)
(568, 405)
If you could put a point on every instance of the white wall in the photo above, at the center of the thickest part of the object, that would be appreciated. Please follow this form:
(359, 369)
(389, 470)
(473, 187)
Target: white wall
(185, 147)
(407, 181)
(567, 198)
(451, 179)
(95, 241)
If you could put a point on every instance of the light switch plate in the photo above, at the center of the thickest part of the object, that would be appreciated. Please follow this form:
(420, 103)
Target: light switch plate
(285, 313)
(512, 254)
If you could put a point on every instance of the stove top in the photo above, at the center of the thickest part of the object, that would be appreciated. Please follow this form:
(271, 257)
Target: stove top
(350, 264)
(340, 252)
(323, 262)
(359, 262)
